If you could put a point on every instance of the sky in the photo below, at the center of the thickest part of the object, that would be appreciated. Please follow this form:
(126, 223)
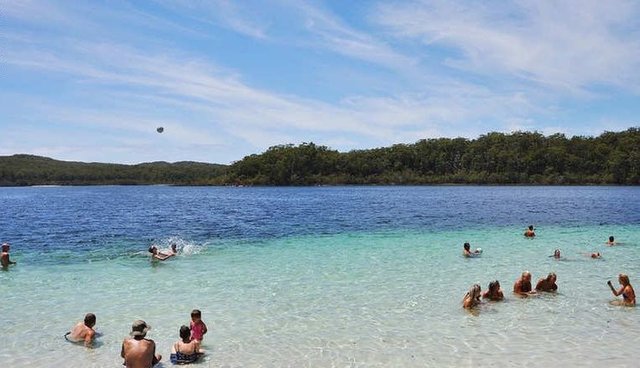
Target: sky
(92, 80)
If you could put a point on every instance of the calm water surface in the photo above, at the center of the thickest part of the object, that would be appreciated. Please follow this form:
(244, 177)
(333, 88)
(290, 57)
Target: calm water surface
(320, 277)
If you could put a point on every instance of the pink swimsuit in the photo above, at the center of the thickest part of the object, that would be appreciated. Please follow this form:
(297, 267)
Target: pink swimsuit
(197, 331)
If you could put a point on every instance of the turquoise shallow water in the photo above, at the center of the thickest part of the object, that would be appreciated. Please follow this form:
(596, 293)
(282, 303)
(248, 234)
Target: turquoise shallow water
(384, 297)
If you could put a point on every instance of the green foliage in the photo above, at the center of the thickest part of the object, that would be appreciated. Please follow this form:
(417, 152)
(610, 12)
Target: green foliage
(34, 170)
(493, 158)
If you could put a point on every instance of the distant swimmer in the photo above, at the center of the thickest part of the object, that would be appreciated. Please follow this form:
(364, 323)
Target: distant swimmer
(494, 293)
(547, 284)
(556, 254)
(472, 297)
(626, 290)
(155, 255)
(5, 261)
(611, 241)
(83, 331)
(529, 233)
(466, 251)
(523, 285)
(170, 252)
(596, 255)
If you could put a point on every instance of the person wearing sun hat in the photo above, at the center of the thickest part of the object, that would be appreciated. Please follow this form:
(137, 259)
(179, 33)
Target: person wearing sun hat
(138, 351)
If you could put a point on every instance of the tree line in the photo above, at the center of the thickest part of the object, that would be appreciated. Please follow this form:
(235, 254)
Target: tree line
(493, 158)
(21, 170)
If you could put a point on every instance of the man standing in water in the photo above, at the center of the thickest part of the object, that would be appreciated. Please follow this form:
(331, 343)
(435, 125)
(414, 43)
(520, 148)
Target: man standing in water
(83, 331)
(523, 285)
(5, 261)
(137, 351)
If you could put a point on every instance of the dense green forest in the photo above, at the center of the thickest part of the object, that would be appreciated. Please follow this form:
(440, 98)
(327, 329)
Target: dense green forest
(20, 170)
(494, 158)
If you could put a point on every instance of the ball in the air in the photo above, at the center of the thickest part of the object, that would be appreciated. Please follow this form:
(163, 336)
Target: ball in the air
(160, 129)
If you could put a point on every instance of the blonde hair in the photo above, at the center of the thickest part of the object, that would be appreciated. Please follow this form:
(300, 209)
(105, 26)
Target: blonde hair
(473, 293)
(624, 279)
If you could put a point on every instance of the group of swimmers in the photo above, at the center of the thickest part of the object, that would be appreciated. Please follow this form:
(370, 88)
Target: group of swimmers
(522, 286)
(140, 352)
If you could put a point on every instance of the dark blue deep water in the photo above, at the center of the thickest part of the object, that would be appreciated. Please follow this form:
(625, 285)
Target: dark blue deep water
(123, 219)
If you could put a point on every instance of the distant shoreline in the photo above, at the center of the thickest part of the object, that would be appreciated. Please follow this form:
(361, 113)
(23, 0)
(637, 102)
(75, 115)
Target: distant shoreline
(520, 158)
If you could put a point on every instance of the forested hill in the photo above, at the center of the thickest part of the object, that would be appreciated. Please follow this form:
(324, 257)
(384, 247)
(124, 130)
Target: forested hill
(494, 158)
(35, 170)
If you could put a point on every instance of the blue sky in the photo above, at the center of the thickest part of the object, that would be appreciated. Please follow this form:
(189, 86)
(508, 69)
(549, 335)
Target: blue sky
(91, 81)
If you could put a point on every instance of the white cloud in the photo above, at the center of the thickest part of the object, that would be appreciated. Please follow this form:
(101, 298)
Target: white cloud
(563, 44)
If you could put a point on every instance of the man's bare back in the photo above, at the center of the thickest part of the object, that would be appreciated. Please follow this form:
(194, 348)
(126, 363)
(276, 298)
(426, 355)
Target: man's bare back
(81, 333)
(139, 353)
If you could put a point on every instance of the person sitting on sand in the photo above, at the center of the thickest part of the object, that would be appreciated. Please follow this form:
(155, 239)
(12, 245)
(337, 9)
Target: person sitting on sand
(155, 255)
(466, 251)
(523, 285)
(628, 294)
(494, 293)
(5, 261)
(137, 351)
(472, 297)
(185, 350)
(83, 331)
(547, 284)
(529, 233)
(612, 241)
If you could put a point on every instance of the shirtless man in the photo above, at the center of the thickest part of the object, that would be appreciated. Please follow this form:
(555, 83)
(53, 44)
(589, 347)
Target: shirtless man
(155, 255)
(4, 258)
(523, 284)
(171, 252)
(548, 284)
(612, 241)
(529, 233)
(137, 351)
(83, 331)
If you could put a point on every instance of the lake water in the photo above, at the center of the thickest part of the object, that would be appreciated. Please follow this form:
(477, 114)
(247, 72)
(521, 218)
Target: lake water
(320, 277)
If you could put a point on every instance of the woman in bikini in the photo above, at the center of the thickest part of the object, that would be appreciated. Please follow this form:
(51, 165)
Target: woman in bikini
(472, 298)
(185, 350)
(628, 294)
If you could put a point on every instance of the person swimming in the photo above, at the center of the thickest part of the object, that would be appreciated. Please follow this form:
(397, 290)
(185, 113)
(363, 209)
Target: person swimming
(466, 251)
(530, 233)
(611, 241)
(155, 255)
(522, 286)
(472, 297)
(547, 284)
(494, 293)
(556, 254)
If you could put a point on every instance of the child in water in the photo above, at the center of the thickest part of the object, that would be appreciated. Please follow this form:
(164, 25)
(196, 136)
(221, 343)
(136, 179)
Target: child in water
(198, 328)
